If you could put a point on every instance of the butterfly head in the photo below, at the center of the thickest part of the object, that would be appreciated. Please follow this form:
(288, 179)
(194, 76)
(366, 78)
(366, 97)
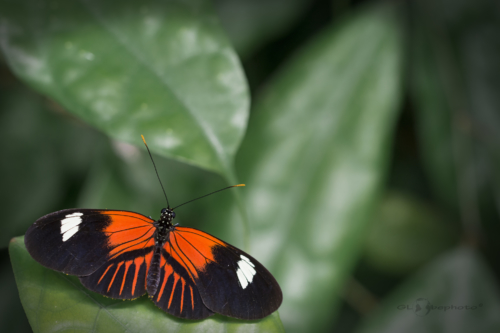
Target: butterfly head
(166, 217)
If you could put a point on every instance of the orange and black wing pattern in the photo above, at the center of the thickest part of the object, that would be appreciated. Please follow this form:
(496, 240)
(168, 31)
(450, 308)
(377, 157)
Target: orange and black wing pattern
(109, 249)
(177, 292)
(228, 280)
(187, 272)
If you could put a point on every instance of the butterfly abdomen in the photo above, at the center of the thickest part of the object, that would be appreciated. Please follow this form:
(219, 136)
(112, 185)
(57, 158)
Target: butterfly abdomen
(154, 272)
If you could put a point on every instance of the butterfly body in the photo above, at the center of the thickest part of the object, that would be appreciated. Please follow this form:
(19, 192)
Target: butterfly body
(186, 272)
(163, 228)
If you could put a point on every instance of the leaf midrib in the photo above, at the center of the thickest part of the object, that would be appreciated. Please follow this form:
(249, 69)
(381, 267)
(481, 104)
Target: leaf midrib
(208, 134)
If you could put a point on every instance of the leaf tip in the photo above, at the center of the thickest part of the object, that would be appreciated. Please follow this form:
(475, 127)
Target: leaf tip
(13, 240)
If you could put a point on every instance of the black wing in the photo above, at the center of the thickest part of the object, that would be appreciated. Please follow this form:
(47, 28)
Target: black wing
(80, 241)
(230, 281)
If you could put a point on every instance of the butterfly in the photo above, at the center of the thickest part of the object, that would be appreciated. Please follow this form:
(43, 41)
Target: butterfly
(186, 272)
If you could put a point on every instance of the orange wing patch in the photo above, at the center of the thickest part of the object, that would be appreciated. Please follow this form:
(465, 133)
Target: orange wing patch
(130, 243)
(203, 237)
(128, 231)
(192, 249)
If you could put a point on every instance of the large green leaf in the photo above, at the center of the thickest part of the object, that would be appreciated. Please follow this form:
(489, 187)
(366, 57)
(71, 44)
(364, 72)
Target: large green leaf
(162, 69)
(314, 158)
(56, 302)
(455, 293)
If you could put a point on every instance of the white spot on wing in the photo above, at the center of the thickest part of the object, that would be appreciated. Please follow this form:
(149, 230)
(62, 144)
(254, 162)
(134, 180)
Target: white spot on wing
(74, 215)
(248, 271)
(69, 234)
(69, 225)
(245, 271)
(247, 260)
(242, 278)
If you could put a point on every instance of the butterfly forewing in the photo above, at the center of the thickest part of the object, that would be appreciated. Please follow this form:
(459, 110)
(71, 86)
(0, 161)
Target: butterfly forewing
(80, 241)
(230, 281)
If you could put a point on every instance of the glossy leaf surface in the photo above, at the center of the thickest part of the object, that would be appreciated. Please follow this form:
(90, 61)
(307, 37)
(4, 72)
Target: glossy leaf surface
(162, 69)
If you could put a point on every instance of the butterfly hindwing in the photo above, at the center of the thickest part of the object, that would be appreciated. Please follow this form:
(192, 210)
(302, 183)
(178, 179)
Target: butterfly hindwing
(80, 241)
(177, 292)
(230, 281)
(249, 290)
(123, 277)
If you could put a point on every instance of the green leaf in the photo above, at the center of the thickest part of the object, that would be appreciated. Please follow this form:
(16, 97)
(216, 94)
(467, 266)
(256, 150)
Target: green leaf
(54, 302)
(459, 280)
(162, 69)
(400, 226)
(314, 159)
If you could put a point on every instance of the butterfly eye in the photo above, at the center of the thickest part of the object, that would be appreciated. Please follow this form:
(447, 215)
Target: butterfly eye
(163, 211)
(173, 215)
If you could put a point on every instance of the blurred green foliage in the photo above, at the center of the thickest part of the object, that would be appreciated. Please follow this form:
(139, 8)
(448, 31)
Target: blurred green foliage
(399, 228)
(370, 153)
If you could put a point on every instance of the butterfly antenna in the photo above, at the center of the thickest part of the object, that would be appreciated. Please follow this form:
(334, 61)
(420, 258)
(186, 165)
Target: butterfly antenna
(206, 195)
(144, 140)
